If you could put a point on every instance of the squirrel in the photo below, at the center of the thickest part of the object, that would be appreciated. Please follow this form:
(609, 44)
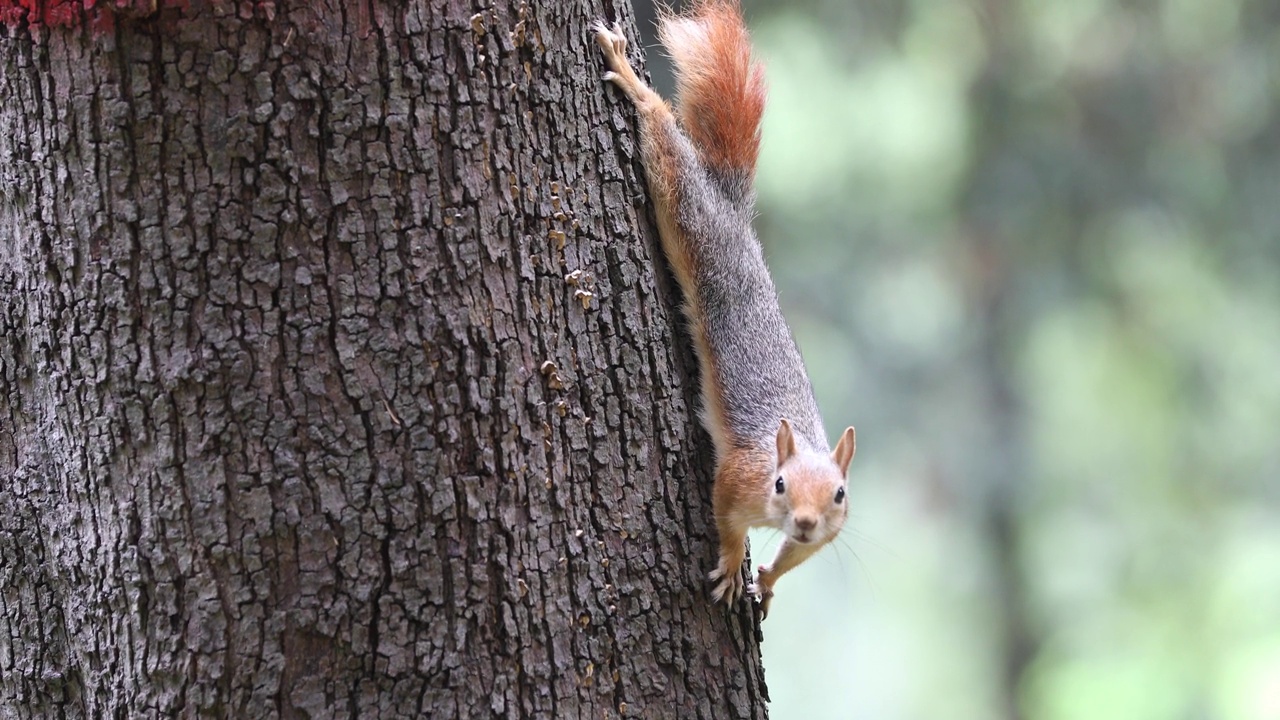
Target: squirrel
(774, 467)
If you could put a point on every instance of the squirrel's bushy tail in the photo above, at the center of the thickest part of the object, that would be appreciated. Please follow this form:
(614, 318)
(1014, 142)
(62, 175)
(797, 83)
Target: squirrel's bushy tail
(720, 89)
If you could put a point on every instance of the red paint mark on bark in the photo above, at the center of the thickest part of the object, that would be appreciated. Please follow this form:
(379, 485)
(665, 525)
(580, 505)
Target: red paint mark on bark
(63, 13)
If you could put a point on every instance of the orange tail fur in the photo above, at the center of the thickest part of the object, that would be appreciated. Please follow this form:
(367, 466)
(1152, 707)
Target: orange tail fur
(720, 90)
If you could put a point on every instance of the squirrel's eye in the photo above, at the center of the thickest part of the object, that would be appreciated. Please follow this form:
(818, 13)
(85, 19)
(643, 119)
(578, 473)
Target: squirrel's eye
(779, 486)
(839, 495)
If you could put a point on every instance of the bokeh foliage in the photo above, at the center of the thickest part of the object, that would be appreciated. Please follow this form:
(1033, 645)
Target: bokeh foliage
(1030, 248)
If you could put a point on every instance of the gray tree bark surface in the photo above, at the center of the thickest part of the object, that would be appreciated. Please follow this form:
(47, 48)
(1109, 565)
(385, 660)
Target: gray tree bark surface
(305, 409)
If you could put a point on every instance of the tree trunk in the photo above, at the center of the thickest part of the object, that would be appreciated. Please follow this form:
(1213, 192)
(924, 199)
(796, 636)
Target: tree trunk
(305, 409)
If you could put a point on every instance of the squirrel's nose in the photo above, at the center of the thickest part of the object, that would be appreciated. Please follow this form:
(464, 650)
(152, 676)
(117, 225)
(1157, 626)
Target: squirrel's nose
(806, 523)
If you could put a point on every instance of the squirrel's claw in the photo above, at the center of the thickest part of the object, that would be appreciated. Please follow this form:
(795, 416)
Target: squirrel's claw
(763, 595)
(728, 584)
(613, 45)
(611, 40)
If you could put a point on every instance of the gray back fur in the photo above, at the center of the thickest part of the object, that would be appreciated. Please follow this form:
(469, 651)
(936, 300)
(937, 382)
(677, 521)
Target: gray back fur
(762, 374)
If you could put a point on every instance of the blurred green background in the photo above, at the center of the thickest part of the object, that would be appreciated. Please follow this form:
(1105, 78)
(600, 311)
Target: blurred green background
(1030, 248)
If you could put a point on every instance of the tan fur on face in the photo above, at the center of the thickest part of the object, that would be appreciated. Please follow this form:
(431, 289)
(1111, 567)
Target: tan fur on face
(811, 482)
(745, 494)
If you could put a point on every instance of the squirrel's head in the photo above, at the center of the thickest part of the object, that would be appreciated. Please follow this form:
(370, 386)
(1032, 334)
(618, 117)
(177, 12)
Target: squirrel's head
(808, 495)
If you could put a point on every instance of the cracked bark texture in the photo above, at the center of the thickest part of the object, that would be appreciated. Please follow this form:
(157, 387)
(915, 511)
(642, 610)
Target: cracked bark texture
(301, 410)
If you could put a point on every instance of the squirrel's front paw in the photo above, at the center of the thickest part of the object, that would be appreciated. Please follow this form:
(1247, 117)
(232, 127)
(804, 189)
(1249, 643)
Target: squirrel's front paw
(613, 43)
(728, 582)
(762, 592)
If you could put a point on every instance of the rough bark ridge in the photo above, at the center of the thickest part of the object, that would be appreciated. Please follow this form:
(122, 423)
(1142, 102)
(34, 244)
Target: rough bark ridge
(304, 411)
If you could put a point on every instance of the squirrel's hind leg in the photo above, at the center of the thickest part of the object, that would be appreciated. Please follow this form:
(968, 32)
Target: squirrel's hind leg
(614, 45)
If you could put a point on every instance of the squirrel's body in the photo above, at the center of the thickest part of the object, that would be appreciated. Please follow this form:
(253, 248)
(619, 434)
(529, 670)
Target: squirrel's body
(773, 465)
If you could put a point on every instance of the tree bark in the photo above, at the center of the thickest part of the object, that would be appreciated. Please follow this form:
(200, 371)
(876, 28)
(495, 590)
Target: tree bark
(305, 410)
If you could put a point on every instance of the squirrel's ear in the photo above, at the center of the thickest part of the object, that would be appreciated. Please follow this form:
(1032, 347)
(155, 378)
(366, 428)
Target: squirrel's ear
(786, 442)
(843, 454)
